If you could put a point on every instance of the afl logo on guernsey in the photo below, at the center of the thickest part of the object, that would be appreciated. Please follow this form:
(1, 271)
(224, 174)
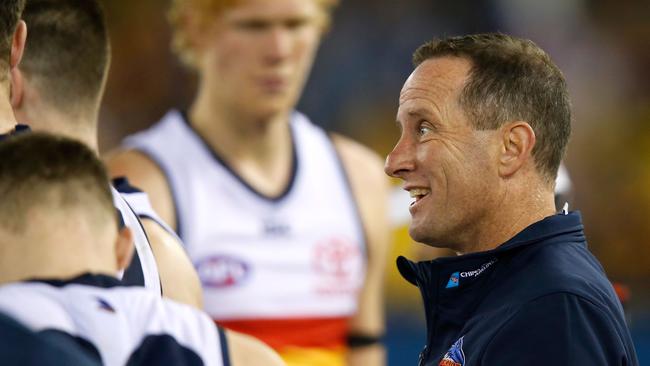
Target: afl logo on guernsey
(222, 271)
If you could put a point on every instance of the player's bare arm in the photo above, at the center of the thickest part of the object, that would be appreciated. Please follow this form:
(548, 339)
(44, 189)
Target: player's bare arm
(145, 174)
(177, 275)
(371, 189)
(248, 351)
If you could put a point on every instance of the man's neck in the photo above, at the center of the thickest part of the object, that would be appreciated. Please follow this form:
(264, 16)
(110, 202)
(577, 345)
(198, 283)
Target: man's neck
(21, 265)
(514, 213)
(53, 253)
(7, 118)
(82, 127)
(259, 150)
(239, 135)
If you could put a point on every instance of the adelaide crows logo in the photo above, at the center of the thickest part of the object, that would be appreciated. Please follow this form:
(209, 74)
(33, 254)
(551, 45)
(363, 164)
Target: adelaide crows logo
(455, 356)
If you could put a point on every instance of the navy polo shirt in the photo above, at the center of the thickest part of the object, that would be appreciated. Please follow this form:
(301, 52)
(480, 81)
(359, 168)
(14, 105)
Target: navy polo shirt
(541, 298)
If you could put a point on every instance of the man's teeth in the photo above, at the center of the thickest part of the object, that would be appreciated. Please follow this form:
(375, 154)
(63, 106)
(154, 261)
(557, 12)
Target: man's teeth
(418, 192)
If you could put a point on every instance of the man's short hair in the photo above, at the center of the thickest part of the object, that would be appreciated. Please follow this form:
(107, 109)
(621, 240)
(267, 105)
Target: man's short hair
(42, 171)
(10, 11)
(67, 52)
(208, 9)
(511, 79)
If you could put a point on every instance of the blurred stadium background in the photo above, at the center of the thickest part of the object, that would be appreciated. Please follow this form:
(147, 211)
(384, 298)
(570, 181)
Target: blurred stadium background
(603, 47)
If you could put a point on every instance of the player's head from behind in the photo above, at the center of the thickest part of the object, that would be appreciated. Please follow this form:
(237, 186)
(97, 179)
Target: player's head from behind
(484, 118)
(12, 37)
(61, 79)
(251, 55)
(57, 218)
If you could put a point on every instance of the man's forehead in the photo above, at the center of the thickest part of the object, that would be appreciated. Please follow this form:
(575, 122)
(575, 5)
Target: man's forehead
(449, 72)
(436, 79)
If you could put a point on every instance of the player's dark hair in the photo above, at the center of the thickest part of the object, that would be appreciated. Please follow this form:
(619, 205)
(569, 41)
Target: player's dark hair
(37, 170)
(10, 11)
(511, 79)
(67, 52)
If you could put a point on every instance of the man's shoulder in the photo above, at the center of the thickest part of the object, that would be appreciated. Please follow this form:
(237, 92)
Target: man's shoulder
(556, 328)
(558, 266)
(549, 297)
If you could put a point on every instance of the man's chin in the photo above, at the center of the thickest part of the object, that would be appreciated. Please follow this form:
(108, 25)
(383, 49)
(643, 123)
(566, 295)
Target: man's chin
(270, 108)
(421, 235)
(427, 236)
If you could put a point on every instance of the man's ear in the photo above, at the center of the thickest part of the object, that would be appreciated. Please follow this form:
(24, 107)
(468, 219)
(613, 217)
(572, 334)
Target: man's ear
(17, 89)
(124, 248)
(518, 140)
(18, 44)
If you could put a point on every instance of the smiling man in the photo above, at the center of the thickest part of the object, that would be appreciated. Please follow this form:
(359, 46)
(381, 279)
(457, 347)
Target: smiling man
(485, 120)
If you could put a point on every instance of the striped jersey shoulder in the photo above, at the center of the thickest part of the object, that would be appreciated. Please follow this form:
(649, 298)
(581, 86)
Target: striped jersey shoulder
(120, 325)
(143, 270)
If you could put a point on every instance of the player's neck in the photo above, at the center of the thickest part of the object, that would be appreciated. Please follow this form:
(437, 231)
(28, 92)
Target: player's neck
(7, 119)
(63, 262)
(258, 150)
(29, 269)
(237, 134)
(63, 243)
(80, 126)
(82, 132)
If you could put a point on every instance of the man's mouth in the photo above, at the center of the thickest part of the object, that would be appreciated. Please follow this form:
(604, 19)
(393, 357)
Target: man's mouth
(418, 194)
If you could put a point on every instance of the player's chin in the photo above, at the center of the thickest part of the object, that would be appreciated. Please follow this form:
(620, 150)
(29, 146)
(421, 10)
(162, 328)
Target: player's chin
(272, 105)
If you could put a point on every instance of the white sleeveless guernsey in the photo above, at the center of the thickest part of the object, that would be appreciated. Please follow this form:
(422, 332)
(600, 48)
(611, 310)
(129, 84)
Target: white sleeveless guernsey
(300, 256)
(114, 324)
(144, 262)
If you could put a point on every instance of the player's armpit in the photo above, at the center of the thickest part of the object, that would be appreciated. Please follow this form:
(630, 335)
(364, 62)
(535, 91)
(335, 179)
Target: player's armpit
(370, 187)
(145, 174)
(178, 278)
(248, 351)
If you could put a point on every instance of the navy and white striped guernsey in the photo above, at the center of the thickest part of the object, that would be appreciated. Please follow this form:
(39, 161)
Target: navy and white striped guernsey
(143, 270)
(140, 204)
(117, 325)
(21, 346)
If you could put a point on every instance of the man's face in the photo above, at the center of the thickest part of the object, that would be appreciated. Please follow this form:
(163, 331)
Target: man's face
(258, 53)
(448, 167)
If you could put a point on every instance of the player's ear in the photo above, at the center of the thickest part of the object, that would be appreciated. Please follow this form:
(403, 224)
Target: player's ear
(18, 44)
(124, 248)
(17, 90)
(518, 140)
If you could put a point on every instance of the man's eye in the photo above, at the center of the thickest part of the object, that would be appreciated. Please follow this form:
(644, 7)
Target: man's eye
(252, 25)
(423, 130)
(297, 23)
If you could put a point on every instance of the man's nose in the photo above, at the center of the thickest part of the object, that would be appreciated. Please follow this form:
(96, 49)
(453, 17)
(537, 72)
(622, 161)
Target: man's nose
(400, 160)
(279, 44)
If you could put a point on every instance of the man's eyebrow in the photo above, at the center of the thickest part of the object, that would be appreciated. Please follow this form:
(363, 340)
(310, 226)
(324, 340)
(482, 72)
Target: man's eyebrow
(420, 112)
